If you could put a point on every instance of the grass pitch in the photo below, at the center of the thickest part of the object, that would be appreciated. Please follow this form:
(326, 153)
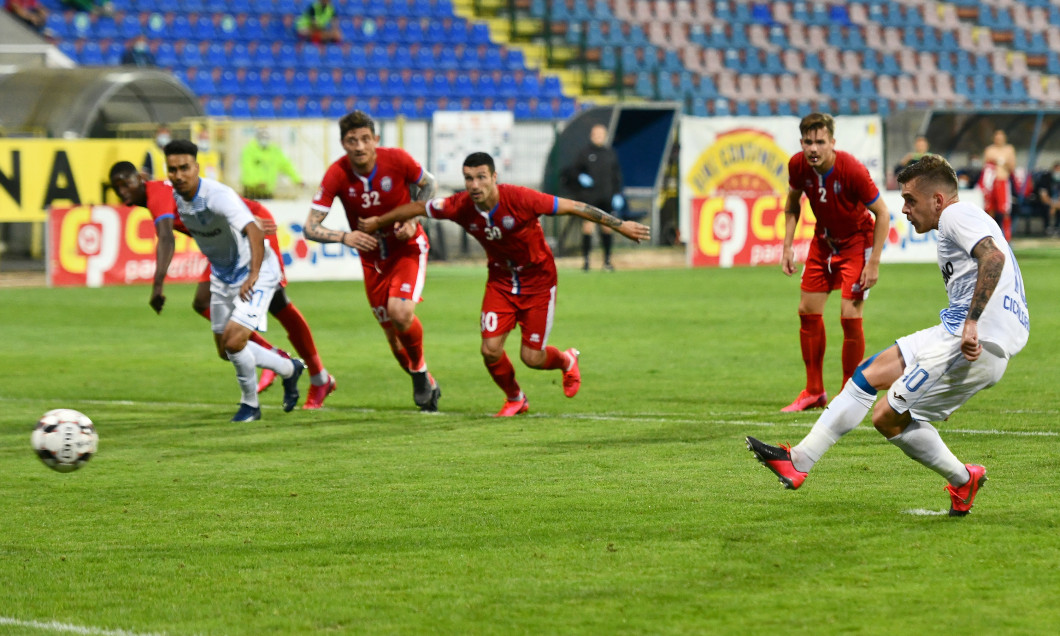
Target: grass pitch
(632, 509)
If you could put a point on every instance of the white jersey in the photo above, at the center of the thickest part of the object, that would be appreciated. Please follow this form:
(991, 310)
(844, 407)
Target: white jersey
(1005, 323)
(215, 218)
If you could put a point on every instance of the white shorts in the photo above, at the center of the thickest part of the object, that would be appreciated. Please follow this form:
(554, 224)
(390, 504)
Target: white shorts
(938, 379)
(226, 305)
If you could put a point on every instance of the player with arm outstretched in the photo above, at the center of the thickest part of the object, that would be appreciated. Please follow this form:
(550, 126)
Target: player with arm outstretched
(157, 197)
(244, 275)
(521, 286)
(929, 374)
(371, 180)
(844, 252)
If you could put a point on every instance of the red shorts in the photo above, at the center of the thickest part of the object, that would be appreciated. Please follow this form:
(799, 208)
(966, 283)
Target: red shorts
(827, 269)
(998, 198)
(400, 276)
(272, 240)
(502, 310)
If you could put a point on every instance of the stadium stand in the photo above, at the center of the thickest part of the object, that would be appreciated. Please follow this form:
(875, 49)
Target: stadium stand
(410, 57)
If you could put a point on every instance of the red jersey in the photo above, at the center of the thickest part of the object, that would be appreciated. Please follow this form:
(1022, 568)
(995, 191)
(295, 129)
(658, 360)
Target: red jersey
(839, 198)
(519, 257)
(162, 205)
(375, 194)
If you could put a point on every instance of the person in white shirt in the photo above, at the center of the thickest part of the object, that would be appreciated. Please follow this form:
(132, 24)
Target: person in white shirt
(929, 374)
(244, 275)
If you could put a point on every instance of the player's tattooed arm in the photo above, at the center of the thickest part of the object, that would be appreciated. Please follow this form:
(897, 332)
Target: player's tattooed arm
(426, 187)
(596, 215)
(315, 231)
(991, 261)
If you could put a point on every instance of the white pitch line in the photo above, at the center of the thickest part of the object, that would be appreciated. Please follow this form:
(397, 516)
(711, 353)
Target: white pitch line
(56, 626)
(648, 417)
(922, 512)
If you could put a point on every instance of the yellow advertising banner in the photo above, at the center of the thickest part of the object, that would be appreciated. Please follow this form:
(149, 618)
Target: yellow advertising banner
(37, 174)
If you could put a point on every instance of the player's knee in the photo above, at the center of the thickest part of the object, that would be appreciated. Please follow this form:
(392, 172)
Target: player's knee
(532, 358)
(491, 355)
(886, 420)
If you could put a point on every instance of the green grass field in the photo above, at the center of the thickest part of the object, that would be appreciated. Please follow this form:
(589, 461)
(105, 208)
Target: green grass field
(634, 508)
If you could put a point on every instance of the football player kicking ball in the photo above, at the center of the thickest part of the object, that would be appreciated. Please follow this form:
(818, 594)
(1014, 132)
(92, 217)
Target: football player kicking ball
(521, 287)
(929, 374)
(245, 273)
(369, 181)
(157, 197)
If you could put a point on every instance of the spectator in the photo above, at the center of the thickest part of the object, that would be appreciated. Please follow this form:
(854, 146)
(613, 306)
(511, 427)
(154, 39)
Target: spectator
(28, 11)
(597, 177)
(1048, 189)
(261, 165)
(318, 23)
(920, 148)
(138, 53)
(90, 6)
(968, 176)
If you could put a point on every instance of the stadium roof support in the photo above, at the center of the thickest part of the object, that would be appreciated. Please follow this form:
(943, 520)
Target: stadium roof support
(91, 102)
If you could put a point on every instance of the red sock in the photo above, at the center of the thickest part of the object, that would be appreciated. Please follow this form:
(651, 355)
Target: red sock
(298, 333)
(402, 357)
(853, 346)
(503, 374)
(1006, 226)
(555, 359)
(412, 340)
(811, 337)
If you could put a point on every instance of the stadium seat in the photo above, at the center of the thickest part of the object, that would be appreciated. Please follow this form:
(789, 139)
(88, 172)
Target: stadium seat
(385, 110)
(215, 55)
(264, 109)
(288, 109)
(311, 108)
(336, 108)
(112, 53)
(215, 107)
(91, 54)
(240, 109)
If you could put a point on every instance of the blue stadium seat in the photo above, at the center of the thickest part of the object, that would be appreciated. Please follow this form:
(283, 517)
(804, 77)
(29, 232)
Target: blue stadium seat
(356, 57)
(189, 55)
(215, 55)
(743, 109)
(552, 87)
(192, 6)
(447, 59)
(462, 86)
(763, 108)
(333, 56)
(336, 109)
(91, 54)
(522, 110)
(180, 26)
(385, 110)
(251, 30)
(784, 109)
(201, 82)
(56, 23)
(239, 56)
(394, 85)
(81, 26)
(423, 58)
(166, 55)
(417, 86)
(544, 110)
(402, 57)
(214, 107)
(275, 84)
(513, 60)
(204, 28)
(312, 108)
(251, 84)
(105, 28)
(112, 53)
(215, 6)
(309, 56)
(287, 56)
(530, 86)
(378, 58)
(240, 109)
(491, 59)
(438, 86)
(288, 109)
(486, 86)
(261, 55)
(325, 84)
(371, 84)
(567, 107)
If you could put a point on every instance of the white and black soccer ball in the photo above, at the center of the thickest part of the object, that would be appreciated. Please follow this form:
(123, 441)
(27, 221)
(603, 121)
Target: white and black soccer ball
(64, 439)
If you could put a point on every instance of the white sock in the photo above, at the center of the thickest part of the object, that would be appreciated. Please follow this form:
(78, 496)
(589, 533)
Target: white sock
(842, 415)
(319, 379)
(921, 441)
(270, 360)
(246, 374)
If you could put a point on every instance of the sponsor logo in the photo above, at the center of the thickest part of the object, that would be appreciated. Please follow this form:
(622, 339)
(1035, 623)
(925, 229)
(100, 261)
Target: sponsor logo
(405, 287)
(536, 337)
(900, 398)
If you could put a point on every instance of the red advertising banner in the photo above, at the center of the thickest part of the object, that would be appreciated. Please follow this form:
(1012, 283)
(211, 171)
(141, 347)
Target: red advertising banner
(94, 245)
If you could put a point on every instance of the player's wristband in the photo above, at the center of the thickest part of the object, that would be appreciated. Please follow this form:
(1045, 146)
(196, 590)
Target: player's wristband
(343, 241)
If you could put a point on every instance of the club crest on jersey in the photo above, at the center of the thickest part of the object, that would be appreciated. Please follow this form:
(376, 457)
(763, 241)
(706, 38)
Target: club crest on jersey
(508, 222)
(836, 187)
(386, 184)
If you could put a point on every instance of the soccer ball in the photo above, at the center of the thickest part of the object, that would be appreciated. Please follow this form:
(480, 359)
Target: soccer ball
(64, 439)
